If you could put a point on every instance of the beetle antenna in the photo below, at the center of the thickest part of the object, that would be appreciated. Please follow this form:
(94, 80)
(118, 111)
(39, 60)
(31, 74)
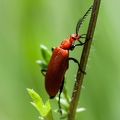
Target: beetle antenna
(82, 19)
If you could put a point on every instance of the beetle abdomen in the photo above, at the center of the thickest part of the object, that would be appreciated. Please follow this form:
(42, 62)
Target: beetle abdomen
(56, 71)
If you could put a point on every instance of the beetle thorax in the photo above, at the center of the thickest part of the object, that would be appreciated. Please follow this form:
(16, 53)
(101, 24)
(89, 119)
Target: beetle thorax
(65, 44)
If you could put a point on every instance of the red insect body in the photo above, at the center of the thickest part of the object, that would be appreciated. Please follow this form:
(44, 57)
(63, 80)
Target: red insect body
(56, 70)
(58, 65)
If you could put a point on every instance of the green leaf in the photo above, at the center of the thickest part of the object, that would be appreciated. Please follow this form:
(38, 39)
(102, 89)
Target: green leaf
(42, 64)
(44, 109)
(80, 110)
(45, 53)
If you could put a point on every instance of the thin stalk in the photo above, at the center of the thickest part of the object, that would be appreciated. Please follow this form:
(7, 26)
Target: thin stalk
(83, 60)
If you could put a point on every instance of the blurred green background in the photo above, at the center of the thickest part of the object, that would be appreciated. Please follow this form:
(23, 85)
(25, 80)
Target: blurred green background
(25, 24)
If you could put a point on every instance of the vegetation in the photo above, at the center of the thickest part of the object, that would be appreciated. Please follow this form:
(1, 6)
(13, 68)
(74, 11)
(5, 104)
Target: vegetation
(24, 25)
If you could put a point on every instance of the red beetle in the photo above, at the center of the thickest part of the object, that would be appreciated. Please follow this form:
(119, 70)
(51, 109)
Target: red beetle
(59, 62)
(58, 65)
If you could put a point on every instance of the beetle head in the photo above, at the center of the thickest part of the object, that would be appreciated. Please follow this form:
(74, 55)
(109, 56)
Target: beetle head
(74, 37)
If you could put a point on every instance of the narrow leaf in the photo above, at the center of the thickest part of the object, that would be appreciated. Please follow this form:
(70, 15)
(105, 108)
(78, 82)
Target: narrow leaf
(44, 109)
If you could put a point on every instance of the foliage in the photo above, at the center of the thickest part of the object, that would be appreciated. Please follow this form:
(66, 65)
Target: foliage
(26, 24)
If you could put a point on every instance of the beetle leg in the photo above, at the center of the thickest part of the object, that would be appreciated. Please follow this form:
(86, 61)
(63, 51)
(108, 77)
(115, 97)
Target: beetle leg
(43, 71)
(82, 43)
(61, 88)
(83, 36)
(76, 61)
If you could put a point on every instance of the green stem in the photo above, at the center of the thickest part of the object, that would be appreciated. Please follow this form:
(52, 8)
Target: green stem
(83, 61)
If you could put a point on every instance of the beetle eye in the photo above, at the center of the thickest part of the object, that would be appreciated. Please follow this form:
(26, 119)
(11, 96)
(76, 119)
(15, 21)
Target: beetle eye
(73, 38)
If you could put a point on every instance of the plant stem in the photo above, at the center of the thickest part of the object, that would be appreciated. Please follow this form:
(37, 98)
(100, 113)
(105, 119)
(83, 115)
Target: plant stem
(83, 61)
